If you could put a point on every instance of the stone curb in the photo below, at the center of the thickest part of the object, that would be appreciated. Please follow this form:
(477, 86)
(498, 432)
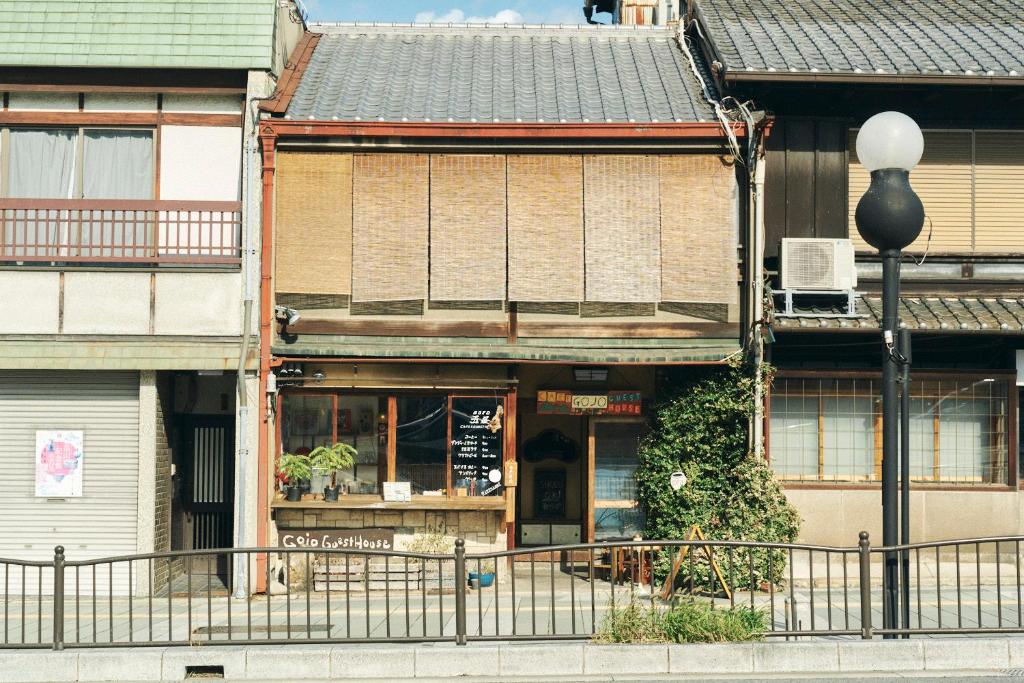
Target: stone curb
(509, 660)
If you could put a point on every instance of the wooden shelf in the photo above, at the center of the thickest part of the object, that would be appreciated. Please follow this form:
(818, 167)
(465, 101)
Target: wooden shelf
(369, 502)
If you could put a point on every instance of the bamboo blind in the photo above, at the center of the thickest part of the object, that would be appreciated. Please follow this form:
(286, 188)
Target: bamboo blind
(943, 181)
(313, 250)
(999, 200)
(699, 229)
(623, 231)
(545, 228)
(390, 227)
(467, 227)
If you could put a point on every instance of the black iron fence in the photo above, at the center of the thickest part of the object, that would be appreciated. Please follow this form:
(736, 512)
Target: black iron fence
(318, 595)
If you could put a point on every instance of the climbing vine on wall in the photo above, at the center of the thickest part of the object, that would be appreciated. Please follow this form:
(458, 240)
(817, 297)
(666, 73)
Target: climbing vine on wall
(700, 429)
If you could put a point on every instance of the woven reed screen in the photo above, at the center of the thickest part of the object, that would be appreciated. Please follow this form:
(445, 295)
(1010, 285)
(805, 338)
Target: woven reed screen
(623, 241)
(699, 223)
(467, 227)
(545, 228)
(313, 249)
(390, 224)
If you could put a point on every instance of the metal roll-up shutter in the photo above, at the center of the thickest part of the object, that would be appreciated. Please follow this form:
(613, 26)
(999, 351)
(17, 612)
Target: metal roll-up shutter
(104, 520)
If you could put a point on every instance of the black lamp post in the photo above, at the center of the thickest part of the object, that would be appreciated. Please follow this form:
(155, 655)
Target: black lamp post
(889, 217)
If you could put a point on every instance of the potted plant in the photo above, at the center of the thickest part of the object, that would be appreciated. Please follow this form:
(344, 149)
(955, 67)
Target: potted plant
(296, 469)
(483, 578)
(340, 456)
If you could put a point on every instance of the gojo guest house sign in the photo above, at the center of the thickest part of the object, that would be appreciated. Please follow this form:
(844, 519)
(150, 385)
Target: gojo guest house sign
(337, 539)
(605, 403)
(477, 445)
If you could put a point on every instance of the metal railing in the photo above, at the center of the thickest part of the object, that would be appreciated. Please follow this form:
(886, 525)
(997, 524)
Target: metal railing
(99, 231)
(320, 595)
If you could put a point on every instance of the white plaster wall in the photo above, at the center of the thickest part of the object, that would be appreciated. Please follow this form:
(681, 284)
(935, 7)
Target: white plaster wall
(836, 516)
(29, 302)
(200, 163)
(202, 104)
(26, 101)
(198, 304)
(108, 102)
(106, 303)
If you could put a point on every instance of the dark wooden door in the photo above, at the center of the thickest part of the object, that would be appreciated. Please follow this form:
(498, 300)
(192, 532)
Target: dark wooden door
(209, 483)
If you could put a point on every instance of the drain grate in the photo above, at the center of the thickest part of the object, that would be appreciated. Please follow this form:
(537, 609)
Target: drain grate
(1015, 673)
(203, 672)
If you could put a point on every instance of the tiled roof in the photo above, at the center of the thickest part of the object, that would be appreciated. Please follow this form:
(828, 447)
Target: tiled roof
(880, 38)
(228, 34)
(934, 314)
(505, 74)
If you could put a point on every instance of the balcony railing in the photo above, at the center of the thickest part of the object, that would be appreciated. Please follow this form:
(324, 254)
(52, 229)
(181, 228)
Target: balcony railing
(88, 231)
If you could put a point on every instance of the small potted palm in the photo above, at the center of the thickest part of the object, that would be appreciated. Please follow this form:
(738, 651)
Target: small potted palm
(296, 469)
(340, 456)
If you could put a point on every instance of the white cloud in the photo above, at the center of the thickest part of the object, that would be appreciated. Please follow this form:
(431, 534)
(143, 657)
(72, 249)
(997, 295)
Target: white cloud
(457, 16)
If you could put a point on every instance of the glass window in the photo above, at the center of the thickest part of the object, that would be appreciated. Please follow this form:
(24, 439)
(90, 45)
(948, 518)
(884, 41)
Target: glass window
(794, 437)
(306, 423)
(616, 448)
(357, 425)
(957, 430)
(421, 456)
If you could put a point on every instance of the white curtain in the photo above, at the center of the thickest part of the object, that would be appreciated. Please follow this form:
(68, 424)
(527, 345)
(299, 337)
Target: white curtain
(922, 438)
(119, 164)
(42, 166)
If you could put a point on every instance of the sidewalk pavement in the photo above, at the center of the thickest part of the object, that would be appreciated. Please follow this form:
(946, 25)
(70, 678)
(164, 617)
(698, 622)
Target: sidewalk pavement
(996, 657)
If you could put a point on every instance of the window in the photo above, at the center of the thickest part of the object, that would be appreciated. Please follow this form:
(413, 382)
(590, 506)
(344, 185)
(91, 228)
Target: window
(80, 163)
(421, 454)
(442, 444)
(830, 430)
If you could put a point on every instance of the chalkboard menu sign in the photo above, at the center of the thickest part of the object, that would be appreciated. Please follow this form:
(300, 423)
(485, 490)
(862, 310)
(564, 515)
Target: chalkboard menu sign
(549, 494)
(477, 445)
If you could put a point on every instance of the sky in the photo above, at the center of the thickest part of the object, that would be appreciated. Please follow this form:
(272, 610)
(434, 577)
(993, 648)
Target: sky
(498, 11)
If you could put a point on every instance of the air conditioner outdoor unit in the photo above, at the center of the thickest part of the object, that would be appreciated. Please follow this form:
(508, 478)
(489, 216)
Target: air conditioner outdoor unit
(822, 265)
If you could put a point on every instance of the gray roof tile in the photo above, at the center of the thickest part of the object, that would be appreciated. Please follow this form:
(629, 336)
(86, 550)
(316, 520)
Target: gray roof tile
(881, 37)
(363, 72)
(929, 314)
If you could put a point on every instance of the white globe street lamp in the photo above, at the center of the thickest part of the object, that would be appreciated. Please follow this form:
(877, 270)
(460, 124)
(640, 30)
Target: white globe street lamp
(890, 217)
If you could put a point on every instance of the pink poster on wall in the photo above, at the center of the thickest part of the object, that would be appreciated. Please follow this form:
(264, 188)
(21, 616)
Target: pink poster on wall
(59, 457)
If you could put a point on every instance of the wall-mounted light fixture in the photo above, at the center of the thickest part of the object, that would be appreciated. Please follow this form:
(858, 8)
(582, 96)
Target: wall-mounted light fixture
(586, 373)
(287, 316)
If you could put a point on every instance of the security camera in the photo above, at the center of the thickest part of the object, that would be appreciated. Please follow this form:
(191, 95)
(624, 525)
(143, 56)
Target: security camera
(288, 316)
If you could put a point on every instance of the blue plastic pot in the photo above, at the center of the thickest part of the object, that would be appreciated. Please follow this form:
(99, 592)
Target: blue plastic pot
(486, 579)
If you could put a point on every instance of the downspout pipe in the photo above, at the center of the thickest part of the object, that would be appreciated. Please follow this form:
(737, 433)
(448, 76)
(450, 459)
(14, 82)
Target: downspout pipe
(249, 260)
(757, 238)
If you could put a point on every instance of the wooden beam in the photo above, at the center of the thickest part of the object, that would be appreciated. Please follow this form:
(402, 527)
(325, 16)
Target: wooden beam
(400, 328)
(420, 328)
(646, 131)
(88, 118)
(644, 330)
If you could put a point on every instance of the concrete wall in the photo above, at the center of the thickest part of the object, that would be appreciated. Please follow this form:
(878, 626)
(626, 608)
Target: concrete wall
(836, 516)
(480, 529)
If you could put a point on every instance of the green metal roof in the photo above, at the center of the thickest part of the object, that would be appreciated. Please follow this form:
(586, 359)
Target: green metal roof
(226, 34)
(639, 351)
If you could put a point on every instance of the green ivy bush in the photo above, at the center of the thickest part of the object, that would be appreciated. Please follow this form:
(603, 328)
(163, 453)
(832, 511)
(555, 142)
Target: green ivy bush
(700, 429)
